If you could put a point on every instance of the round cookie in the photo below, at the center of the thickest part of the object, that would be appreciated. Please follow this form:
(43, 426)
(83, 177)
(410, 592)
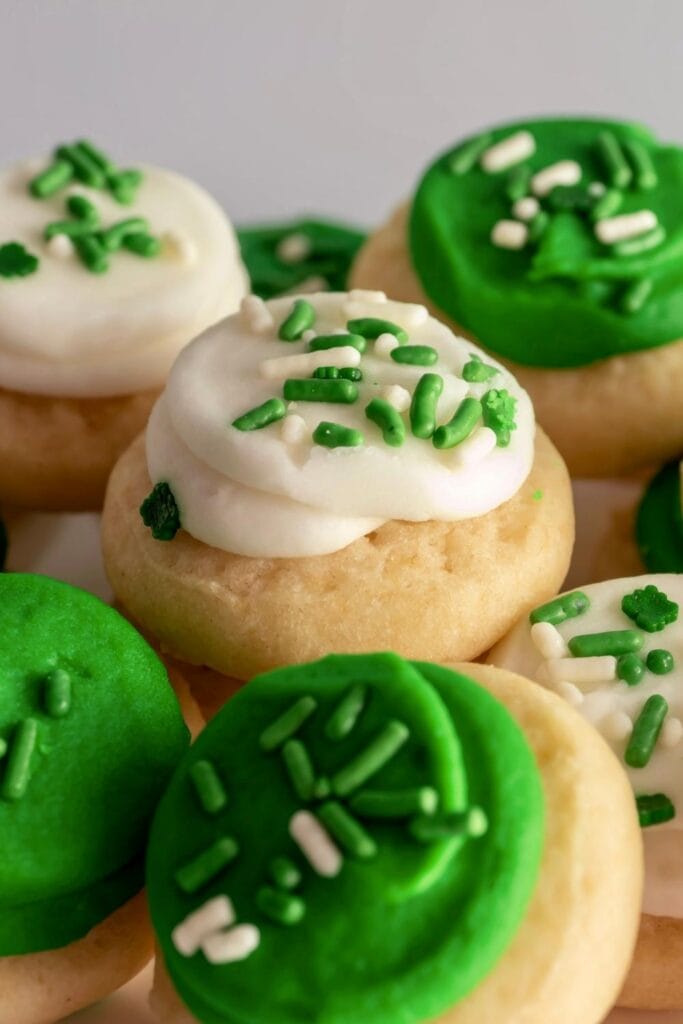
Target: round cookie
(615, 651)
(105, 274)
(515, 238)
(265, 551)
(427, 854)
(90, 732)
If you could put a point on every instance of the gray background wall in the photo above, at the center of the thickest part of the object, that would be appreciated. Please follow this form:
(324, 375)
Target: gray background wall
(286, 106)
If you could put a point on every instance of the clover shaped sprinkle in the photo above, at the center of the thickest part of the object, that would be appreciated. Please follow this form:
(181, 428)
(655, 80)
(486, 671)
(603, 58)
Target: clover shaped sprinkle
(650, 608)
(498, 407)
(16, 260)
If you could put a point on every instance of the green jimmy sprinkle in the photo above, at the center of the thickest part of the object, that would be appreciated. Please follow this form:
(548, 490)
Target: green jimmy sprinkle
(160, 512)
(339, 391)
(607, 204)
(281, 907)
(430, 828)
(636, 295)
(262, 416)
(641, 162)
(460, 426)
(368, 761)
(371, 327)
(18, 770)
(284, 873)
(646, 730)
(92, 253)
(423, 405)
(49, 181)
(208, 787)
(84, 167)
(389, 421)
(322, 788)
(517, 184)
(568, 606)
(322, 342)
(83, 209)
(334, 435)
(96, 156)
(475, 371)
(654, 809)
(415, 355)
(398, 803)
(467, 155)
(630, 669)
(537, 225)
(16, 260)
(660, 662)
(71, 228)
(649, 608)
(58, 693)
(206, 865)
(299, 768)
(615, 642)
(643, 243)
(343, 719)
(301, 318)
(123, 185)
(610, 154)
(289, 722)
(498, 409)
(142, 244)
(348, 832)
(113, 237)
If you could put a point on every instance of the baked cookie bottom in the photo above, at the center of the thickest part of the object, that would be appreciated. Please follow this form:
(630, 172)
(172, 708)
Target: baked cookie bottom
(607, 419)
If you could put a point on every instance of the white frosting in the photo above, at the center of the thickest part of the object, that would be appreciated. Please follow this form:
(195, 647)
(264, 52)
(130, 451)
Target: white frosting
(66, 331)
(273, 492)
(612, 707)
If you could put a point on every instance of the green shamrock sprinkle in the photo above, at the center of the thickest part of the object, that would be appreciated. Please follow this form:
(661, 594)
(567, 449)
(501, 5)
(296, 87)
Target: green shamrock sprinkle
(650, 608)
(160, 512)
(16, 261)
(498, 408)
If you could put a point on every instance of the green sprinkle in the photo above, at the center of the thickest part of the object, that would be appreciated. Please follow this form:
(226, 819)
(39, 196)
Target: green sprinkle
(568, 606)
(650, 608)
(371, 759)
(284, 873)
(18, 770)
(641, 162)
(160, 512)
(467, 155)
(430, 828)
(91, 253)
(262, 416)
(415, 355)
(96, 156)
(353, 373)
(208, 787)
(460, 426)
(572, 198)
(300, 768)
(113, 237)
(322, 788)
(423, 405)
(84, 167)
(348, 832)
(83, 209)
(630, 669)
(287, 724)
(608, 204)
(70, 228)
(498, 409)
(517, 184)
(16, 260)
(58, 693)
(343, 719)
(327, 373)
(207, 865)
(343, 392)
(646, 730)
(643, 243)
(326, 341)
(281, 907)
(538, 225)
(142, 244)
(398, 803)
(615, 642)
(636, 295)
(300, 319)
(334, 435)
(388, 419)
(617, 170)
(654, 809)
(660, 662)
(372, 326)
(124, 185)
(475, 371)
(49, 181)
(537, 495)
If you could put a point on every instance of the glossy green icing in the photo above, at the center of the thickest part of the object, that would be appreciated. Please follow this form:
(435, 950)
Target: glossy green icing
(659, 523)
(332, 250)
(561, 300)
(402, 936)
(72, 844)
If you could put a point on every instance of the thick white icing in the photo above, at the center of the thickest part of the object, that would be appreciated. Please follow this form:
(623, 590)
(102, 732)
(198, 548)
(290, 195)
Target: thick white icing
(606, 704)
(65, 331)
(273, 492)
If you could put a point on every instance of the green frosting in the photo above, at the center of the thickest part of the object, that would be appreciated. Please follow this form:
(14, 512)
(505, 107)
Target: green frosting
(418, 915)
(659, 523)
(329, 250)
(75, 808)
(564, 299)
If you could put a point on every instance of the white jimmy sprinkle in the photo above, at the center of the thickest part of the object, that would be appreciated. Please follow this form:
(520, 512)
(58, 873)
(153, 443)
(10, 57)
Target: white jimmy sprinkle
(385, 345)
(548, 640)
(181, 247)
(565, 172)
(526, 208)
(672, 732)
(293, 429)
(315, 843)
(363, 295)
(235, 944)
(294, 248)
(256, 315)
(616, 726)
(213, 915)
(60, 246)
(304, 363)
(509, 234)
(476, 447)
(397, 396)
(572, 694)
(509, 152)
(625, 226)
(599, 669)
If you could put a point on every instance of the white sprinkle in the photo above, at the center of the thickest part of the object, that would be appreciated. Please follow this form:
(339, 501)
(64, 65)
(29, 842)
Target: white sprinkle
(61, 246)
(616, 726)
(215, 914)
(256, 315)
(180, 247)
(308, 335)
(361, 295)
(599, 669)
(509, 234)
(236, 944)
(304, 363)
(548, 640)
(413, 315)
(572, 694)
(294, 248)
(597, 189)
(624, 226)
(315, 844)
(385, 345)
(526, 208)
(672, 732)
(309, 286)
(566, 172)
(476, 447)
(397, 396)
(293, 429)
(510, 151)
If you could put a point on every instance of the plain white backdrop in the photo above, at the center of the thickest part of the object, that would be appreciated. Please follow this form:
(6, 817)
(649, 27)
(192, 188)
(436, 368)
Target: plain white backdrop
(288, 106)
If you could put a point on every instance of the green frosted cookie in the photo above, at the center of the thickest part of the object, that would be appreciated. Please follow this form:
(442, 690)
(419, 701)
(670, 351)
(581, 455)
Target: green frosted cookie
(659, 522)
